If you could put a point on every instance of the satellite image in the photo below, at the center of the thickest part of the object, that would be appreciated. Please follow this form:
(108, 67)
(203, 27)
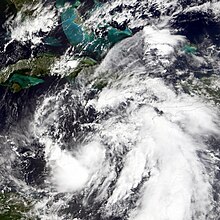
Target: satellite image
(109, 110)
